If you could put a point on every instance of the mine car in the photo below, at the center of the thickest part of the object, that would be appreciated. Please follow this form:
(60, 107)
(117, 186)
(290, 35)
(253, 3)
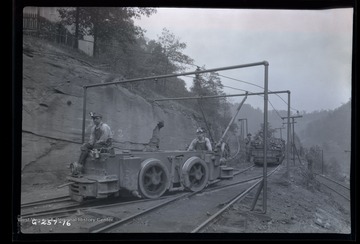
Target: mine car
(147, 174)
(275, 151)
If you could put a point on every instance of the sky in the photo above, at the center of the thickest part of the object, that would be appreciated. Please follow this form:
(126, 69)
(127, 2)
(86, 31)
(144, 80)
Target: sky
(309, 51)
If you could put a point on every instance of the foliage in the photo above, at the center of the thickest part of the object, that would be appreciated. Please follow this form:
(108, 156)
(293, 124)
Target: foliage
(216, 110)
(172, 48)
(122, 45)
(105, 23)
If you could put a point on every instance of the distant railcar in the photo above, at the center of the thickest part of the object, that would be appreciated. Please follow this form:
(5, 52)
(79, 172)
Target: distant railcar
(275, 152)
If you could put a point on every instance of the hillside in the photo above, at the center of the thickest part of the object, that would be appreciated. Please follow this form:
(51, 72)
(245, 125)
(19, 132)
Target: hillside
(53, 80)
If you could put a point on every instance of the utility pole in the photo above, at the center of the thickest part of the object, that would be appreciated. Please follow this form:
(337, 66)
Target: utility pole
(280, 128)
(76, 38)
(322, 161)
(293, 132)
(242, 127)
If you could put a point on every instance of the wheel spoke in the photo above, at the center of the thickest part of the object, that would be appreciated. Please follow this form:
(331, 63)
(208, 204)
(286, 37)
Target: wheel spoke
(147, 183)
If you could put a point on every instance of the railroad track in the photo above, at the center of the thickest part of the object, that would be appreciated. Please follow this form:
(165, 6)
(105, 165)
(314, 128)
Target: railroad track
(172, 206)
(334, 186)
(45, 201)
(97, 207)
(63, 205)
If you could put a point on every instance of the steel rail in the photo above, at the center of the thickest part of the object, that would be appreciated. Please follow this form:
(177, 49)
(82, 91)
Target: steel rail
(333, 188)
(45, 201)
(244, 170)
(336, 191)
(238, 197)
(232, 184)
(122, 221)
(51, 212)
(333, 181)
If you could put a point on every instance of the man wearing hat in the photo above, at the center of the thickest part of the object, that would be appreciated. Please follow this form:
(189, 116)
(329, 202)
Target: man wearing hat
(248, 147)
(200, 142)
(100, 137)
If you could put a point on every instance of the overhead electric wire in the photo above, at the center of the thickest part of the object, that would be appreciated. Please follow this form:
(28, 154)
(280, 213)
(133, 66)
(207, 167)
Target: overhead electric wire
(258, 95)
(250, 83)
(277, 112)
(259, 87)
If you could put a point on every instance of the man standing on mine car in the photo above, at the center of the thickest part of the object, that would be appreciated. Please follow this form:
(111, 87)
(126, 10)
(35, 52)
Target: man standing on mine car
(100, 137)
(200, 142)
(154, 142)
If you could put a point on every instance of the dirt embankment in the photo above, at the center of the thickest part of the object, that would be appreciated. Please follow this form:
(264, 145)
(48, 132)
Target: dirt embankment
(295, 205)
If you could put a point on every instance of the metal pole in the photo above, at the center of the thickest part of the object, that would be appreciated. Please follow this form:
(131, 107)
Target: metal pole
(181, 74)
(322, 162)
(232, 120)
(247, 131)
(242, 129)
(293, 139)
(257, 195)
(164, 76)
(217, 96)
(265, 135)
(288, 140)
(84, 115)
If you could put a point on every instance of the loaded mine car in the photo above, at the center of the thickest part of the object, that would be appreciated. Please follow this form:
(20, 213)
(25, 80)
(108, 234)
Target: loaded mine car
(275, 151)
(147, 174)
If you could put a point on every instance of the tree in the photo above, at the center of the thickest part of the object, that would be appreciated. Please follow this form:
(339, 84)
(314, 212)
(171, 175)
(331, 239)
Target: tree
(212, 109)
(105, 23)
(172, 48)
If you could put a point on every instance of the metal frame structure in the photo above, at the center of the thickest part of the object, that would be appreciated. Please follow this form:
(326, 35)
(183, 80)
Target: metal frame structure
(265, 93)
(263, 183)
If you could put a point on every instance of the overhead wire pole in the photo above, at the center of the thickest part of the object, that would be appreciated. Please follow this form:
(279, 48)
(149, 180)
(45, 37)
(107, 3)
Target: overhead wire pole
(263, 185)
(293, 122)
(266, 92)
(293, 140)
(160, 77)
(246, 126)
(242, 127)
(292, 144)
(288, 141)
(280, 129)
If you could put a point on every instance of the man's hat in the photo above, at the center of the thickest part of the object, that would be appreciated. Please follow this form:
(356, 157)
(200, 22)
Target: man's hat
(249, 134)
(199, 130)
(95, 115)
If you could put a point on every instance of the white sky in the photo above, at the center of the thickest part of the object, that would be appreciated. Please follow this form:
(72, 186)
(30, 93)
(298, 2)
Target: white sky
(309, 51)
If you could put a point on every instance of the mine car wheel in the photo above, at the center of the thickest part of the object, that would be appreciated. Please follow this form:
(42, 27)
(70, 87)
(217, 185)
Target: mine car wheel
(195, 174)
(153, 178)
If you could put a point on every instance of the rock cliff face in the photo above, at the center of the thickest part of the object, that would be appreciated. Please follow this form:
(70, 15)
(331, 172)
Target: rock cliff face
(52, 114)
